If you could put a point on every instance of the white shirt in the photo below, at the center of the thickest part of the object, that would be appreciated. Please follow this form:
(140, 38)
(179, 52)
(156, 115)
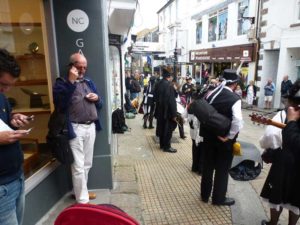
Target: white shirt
(237, 118)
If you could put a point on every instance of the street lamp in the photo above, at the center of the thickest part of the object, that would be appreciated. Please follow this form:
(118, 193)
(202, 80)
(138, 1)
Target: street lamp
(175, 64)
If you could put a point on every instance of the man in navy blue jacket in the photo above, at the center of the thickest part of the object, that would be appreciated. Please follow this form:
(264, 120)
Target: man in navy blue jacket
(77, 96)
(11, 155)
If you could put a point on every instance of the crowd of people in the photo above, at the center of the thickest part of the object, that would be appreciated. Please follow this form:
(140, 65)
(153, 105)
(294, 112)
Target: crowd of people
(211, 154)
(168, 101)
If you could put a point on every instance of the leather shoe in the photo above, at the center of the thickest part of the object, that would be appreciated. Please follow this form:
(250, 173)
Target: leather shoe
(150, 127)
(264, 222)
(227, 201)
(92, 195)
(205, 200)
(171, 150)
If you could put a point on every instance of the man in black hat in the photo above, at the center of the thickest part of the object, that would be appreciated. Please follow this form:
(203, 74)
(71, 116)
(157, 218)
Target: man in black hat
(218, 151)
(165, 111)
(187, 89)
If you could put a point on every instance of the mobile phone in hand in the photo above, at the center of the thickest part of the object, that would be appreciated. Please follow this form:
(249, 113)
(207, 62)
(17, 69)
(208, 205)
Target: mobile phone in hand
(30, 118)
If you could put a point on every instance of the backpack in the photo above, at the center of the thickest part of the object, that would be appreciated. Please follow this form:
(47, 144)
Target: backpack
(118, 122)
(209, 117)
(57, 138)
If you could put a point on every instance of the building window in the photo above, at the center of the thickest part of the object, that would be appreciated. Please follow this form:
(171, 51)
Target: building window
(217, 25)
(199, 32)
(243, 11)
(298, 10)
(222, 22)
(212, 27)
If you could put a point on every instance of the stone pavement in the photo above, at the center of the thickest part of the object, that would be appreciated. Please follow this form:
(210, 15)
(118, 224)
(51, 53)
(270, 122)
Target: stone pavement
(158, 188)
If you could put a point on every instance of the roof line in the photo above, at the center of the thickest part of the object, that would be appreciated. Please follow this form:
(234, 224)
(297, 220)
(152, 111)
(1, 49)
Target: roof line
(165, 6)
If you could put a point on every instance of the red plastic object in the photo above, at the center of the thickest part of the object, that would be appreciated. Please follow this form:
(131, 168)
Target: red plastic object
(87, 214)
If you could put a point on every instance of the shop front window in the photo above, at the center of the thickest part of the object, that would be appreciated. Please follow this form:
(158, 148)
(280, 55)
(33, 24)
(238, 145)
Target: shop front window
(199, 32)
(114, 70)
(243, 11)
(21, 34)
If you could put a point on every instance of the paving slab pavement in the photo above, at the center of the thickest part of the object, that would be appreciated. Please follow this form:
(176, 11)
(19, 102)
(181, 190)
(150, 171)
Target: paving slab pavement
(158, 188)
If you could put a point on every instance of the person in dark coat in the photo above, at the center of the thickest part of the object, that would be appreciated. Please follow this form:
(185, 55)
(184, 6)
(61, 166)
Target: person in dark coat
(218, 151)
(282, 185)
(165, 111)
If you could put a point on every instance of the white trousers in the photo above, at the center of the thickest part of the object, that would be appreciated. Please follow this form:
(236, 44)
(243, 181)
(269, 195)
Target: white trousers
(83, 148)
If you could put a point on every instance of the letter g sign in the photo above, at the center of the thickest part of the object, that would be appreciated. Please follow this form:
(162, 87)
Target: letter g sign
(78, 20)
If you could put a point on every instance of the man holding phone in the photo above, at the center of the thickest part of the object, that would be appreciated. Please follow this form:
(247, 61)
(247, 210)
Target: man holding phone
(77, 97)
(11, 156)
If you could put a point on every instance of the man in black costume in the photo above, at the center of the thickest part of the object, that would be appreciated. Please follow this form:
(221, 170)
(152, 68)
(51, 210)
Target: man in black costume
(165, 111)
(218, 151)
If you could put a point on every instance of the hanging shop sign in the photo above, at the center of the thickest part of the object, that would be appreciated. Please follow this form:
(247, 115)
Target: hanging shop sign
(224, 54)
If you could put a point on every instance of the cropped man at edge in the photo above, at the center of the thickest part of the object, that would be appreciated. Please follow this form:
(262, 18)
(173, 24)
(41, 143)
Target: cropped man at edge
(12, 196)
(218, 151)
(77, 96)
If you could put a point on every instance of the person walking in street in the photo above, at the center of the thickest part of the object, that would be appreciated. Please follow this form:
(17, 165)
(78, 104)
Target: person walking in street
(135, 87)
(148, 103)
(251, 90)
(282, 185)
(165, 111)
(286, 84)
(12, 197)
(78, 98)
(218, 151)
(269, 91)
(128, 83)
(187, 89)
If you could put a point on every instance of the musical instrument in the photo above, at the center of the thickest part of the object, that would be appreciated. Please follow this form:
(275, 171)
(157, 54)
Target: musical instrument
(259, 118)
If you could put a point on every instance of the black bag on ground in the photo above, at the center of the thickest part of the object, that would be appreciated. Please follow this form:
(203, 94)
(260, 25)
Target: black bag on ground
(118, 122)
(57, 138)
(209, 117)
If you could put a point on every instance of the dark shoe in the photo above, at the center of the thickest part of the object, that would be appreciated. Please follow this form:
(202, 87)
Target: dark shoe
(264, 222)
(183, 137)
(227, 201)
(150, 127)
(171, 150)
(144, 126)
(205, 200)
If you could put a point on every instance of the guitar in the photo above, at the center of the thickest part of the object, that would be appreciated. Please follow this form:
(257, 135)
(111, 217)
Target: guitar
(258, 118)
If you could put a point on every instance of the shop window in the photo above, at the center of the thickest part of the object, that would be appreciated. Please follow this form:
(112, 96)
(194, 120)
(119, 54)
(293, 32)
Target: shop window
(298, 11)
(21, 34)
(243, 11)
(199, 32)
(114, 69)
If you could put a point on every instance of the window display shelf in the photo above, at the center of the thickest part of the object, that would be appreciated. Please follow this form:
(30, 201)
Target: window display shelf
(28, 111)
(32, 82)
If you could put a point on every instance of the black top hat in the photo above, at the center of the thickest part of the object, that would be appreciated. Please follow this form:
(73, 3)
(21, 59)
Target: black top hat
(294, 91)
(165, 73)
(230, 76)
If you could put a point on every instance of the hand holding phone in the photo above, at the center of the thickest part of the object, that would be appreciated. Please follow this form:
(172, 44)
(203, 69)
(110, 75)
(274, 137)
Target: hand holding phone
(30, 118)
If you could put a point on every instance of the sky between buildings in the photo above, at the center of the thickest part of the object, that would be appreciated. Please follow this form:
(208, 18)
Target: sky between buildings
(146, 14)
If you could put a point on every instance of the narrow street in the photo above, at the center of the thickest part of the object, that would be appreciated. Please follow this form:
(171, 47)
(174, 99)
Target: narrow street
(158, 188)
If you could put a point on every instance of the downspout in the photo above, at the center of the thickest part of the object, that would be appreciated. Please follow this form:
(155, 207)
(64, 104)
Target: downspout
(257, 39)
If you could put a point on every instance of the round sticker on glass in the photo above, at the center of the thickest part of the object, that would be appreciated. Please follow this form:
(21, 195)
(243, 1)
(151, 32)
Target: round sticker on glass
(78, 20)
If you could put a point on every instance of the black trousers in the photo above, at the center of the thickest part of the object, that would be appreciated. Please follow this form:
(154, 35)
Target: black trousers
(217, 158)
(197, 157)
(165, 130)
